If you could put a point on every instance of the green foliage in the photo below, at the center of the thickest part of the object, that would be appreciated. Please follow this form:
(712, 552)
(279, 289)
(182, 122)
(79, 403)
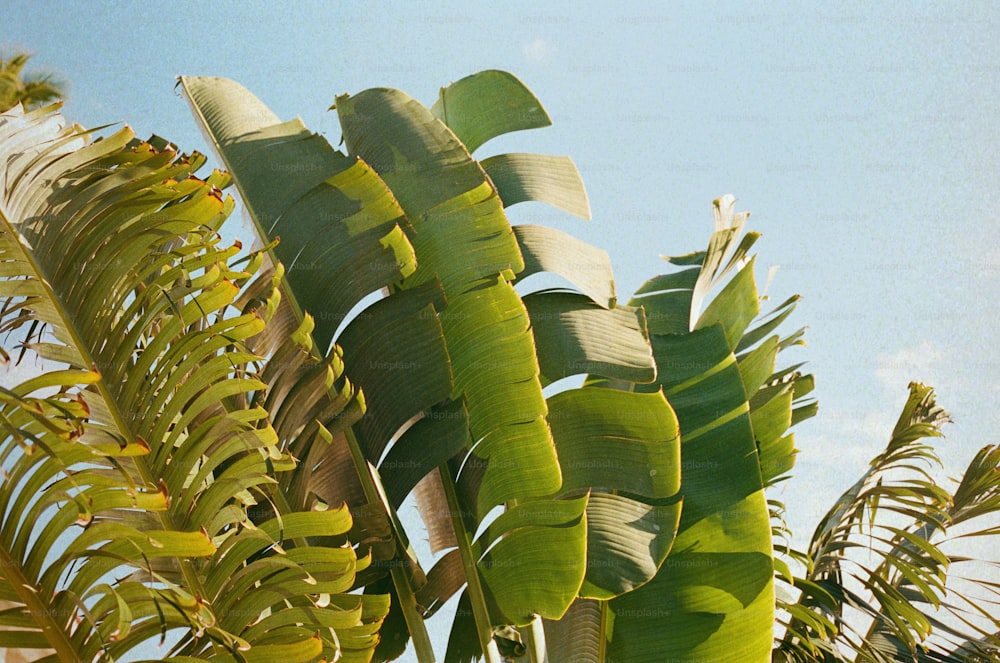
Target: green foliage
(492, 420)
(217, 448)
(712, 597)
(138, 494)
(31, 91)
(879, 558)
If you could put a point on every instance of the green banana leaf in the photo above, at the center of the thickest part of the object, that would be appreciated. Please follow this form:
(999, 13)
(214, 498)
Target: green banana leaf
(625, 449)
(586, 267)
(570, 334)
(575, 336)
(553, 180)
(462, 237)
(712, 596)
(488, 104)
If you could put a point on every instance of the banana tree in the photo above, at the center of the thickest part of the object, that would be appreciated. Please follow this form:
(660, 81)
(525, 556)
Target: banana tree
(875, 582)
(712, 597)
(492, 439)
(469, 453)
(139, 469)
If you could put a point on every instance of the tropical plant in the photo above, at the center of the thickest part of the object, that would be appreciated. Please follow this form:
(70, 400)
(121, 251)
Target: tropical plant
(879, 584)
(653, 586)
(225, 416)
(116, 239)
(713, 597)
(31, 91)
(138, 475)
(485, 440)
(217, 460)
(617, 502)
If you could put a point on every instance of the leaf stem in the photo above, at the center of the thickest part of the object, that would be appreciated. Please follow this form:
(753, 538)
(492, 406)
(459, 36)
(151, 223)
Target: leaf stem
(400, 579)
(480, 611)
(534, 641)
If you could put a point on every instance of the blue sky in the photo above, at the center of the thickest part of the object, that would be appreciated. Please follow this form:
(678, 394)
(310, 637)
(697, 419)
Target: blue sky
(863, 142)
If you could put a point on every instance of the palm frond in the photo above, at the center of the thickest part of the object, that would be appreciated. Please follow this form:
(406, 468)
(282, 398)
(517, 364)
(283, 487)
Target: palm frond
(30, 91)
(112, 267)
(878, 556)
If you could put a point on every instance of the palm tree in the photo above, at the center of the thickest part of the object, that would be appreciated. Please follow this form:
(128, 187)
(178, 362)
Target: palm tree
(30, 91)
(138, 494)
(878, 581)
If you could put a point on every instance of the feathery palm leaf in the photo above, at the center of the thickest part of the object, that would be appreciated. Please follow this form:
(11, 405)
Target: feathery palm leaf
(874, 557)
(30, 91)
(113, 268)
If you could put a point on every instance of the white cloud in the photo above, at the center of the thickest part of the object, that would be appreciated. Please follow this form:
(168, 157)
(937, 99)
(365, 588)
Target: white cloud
(858, 435)
(537, 50)
(919, 363)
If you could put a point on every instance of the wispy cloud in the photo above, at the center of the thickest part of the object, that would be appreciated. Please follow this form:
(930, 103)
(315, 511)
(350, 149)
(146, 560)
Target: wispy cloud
(858, 435)
(923, 363)
(538, 50)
